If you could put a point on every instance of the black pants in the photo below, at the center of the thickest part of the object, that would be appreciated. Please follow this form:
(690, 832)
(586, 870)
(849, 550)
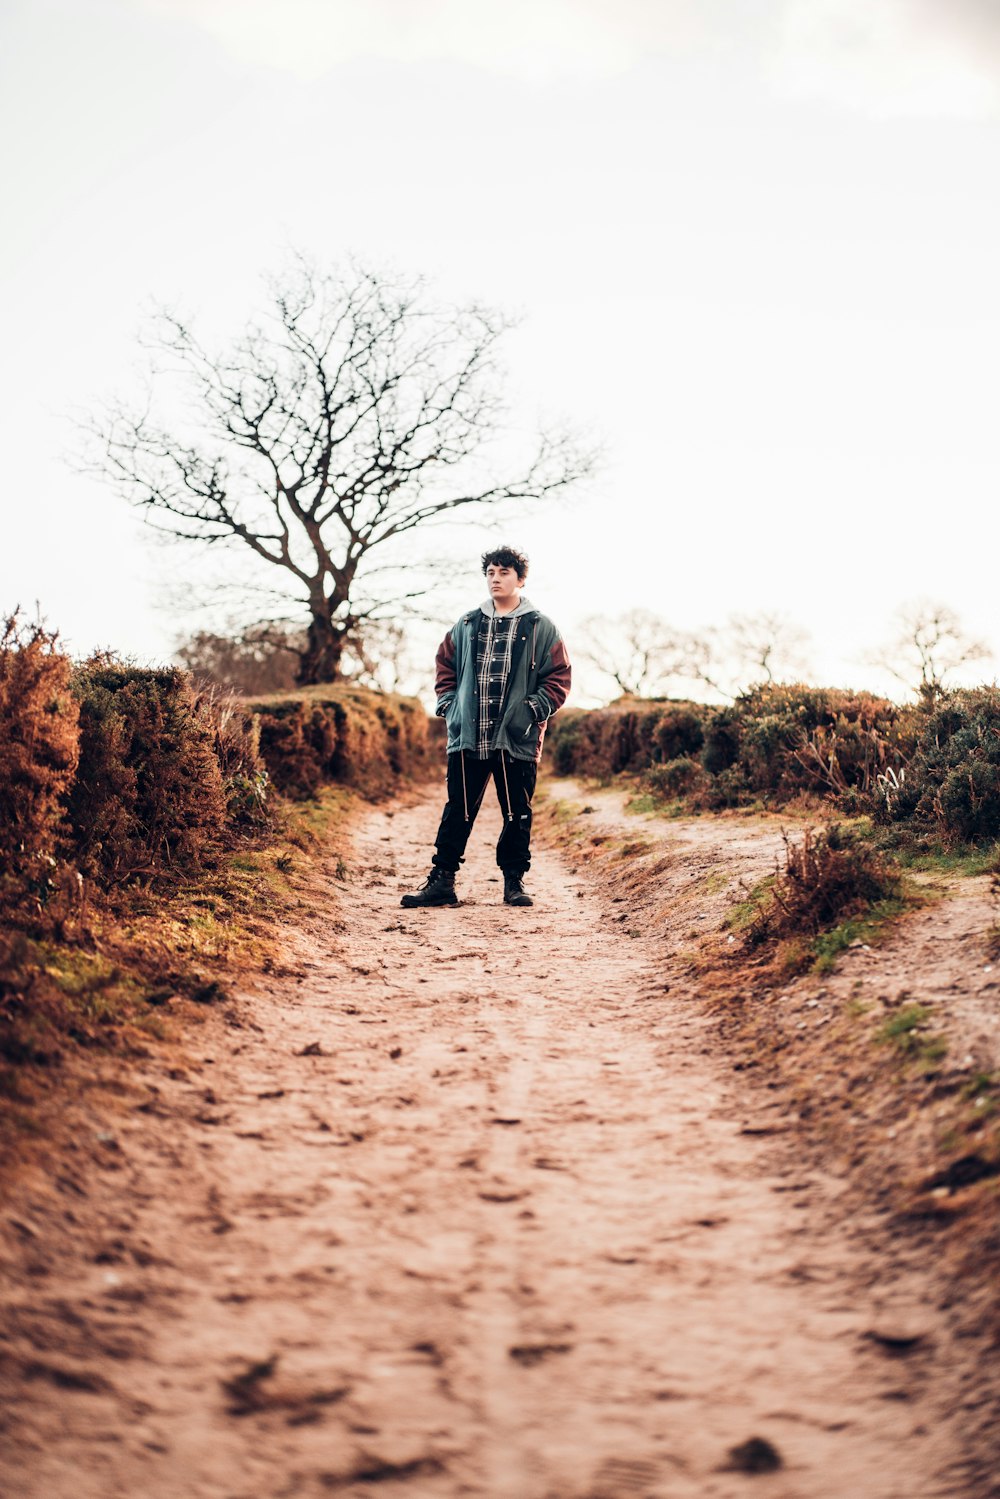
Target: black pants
(468, 779)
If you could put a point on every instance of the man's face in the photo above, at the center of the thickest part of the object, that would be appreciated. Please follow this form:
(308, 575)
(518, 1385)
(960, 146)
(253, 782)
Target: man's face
(502, 581)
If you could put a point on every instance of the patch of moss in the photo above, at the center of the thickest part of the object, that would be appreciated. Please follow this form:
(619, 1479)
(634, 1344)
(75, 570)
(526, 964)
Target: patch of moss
(744, 914)
(900, 1027)
(905, 1031)
(935, 859)
(868, 928)
(75, 972)
(980, 1082)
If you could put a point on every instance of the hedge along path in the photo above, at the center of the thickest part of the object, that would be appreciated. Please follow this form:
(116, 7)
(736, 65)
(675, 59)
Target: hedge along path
(458, 1202)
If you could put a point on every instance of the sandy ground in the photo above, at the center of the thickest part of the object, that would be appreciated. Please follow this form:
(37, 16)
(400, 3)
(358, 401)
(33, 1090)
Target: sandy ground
(459, 1202)
(938, 955)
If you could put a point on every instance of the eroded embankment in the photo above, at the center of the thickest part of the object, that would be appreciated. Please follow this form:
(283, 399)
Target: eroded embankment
(469, 1201)
(884, 1068)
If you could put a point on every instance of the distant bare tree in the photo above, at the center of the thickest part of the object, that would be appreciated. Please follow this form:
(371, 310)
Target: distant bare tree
(748, 650)
(767, 647)
(257, 659)
(264, 657)
(703, 662)
(354, 414)
(643, 655)
(928, 646)
(637, 651)
(378, 656)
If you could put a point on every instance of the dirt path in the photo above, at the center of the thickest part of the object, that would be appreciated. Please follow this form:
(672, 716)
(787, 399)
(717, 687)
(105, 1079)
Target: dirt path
(460, 1203)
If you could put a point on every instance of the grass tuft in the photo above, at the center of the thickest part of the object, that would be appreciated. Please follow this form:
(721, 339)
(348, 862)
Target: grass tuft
(906, 1032)
(867, 929)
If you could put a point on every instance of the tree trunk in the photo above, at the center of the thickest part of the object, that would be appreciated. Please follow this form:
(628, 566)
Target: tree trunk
(320, 661)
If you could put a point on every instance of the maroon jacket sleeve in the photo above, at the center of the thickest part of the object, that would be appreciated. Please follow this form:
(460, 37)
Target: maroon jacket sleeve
(444, 669)
(554, 678)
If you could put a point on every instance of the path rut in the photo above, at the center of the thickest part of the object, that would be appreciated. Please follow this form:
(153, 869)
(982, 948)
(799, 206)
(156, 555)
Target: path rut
(460, 1202)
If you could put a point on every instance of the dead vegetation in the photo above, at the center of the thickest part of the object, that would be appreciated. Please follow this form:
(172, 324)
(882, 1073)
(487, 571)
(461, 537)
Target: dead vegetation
(830, 876)
(340, 733)
(148, 794)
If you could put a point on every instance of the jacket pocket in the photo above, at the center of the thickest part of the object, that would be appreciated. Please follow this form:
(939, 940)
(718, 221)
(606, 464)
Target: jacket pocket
(523, 723)
(452, 719)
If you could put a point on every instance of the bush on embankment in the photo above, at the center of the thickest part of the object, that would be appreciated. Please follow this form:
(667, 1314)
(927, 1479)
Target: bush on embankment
(358, 738)
(933, 773)
(148, 791)
(39, 748)
(144, 835)
(949, 786)
(772, 743)
(829, 877)
(120, 771)
(777, 743)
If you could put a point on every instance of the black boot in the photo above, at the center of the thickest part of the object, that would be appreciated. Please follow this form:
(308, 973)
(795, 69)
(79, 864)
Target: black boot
(437, 890)
(514, 893)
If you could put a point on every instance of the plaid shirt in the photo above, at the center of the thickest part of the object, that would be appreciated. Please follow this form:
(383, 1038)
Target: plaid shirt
(494, 644)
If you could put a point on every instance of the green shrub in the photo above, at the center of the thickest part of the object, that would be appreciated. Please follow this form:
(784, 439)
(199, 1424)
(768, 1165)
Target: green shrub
(566, 742)
(148, 791)
(722, 740)
(676, 778)
(773, 743)
(730, 788)
(678, 732)
(822, 741)
(950, 786)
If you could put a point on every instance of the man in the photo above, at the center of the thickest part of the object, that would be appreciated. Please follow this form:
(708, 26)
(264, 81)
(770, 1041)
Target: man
(502, 672)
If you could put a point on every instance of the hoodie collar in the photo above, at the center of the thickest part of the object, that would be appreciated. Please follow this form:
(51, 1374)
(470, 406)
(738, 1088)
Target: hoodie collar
(524, 607)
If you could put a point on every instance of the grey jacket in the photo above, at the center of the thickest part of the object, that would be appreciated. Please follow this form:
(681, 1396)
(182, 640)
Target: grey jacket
(537, 685)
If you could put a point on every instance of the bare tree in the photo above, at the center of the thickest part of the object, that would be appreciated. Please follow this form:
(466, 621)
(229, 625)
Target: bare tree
(264, 657)
(637, 651)
(643, 655)
(704, 662)
(928, 646)
(354, 414)
(257, 659)
(766, 647)
(748, 650)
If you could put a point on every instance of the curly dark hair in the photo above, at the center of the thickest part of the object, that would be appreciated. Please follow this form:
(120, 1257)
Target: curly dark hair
(507, 557)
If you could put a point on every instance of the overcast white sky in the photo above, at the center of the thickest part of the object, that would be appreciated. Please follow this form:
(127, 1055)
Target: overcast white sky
(754, 244)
